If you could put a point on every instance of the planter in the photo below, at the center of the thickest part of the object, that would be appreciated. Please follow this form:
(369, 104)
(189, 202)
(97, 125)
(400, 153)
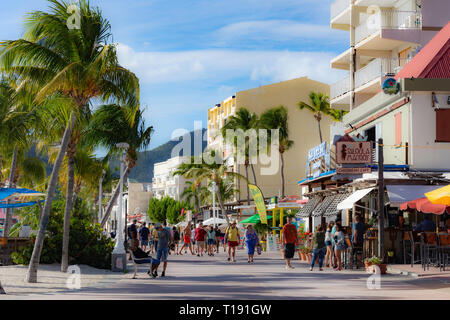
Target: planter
(383, 267)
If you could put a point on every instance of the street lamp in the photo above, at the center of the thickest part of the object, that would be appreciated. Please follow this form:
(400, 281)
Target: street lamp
(119, 255)
(214, 190)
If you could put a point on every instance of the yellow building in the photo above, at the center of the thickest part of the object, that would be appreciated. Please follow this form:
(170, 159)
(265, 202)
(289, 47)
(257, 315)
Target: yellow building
(303, 129)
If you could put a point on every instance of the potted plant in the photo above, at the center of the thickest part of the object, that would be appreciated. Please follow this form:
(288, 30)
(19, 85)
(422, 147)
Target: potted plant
(368, 262)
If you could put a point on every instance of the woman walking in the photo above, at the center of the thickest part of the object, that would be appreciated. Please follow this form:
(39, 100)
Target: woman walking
(176, 238)
(187, 239)
(319, 247)
(251, 240)
(340, 245)
(218, 235)
(328, 243)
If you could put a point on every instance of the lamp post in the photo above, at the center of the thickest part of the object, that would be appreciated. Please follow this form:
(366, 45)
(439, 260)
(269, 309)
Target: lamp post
(119, 255)
(100, 196)
(214, 190)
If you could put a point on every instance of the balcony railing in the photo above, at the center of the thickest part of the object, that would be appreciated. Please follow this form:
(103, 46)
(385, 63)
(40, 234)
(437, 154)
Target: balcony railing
(388, 19)
(374, 70)
(340, 88)
(338, 6)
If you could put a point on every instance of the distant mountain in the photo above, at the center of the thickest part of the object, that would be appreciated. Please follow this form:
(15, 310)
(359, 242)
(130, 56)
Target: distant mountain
(143, 172)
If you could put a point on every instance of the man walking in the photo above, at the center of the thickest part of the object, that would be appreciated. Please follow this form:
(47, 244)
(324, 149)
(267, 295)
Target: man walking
(162, 251)
(200, 235)
(289, 240)
(232, 236)
(187, 239)
(132, 233)
(144, 233)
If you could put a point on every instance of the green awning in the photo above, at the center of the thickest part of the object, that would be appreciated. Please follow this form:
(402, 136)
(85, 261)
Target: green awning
(254, 219)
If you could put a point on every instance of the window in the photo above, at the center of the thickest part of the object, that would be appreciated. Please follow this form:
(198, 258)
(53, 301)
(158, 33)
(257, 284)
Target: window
(398, 129)
(442, 125)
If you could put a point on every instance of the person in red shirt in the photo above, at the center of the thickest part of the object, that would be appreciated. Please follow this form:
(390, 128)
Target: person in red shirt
(200, 234)
(289, 240)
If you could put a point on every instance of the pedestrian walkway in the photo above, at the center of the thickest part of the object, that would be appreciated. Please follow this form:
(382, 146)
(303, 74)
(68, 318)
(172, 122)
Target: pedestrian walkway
(192, 277)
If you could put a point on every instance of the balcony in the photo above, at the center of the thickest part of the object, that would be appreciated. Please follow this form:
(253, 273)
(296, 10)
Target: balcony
(388, 19)
(337, 7)
(374, 70)
(340, 88)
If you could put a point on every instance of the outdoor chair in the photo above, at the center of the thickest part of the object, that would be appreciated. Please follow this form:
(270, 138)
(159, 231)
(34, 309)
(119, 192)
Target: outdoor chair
(429, 249)
(444, 250)
(413, 239)
(356, 255)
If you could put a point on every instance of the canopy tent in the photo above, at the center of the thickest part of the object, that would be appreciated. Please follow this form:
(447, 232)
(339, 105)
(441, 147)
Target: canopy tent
(439, 196)
(210, 221)
(254, 219)
(181, 224)
(425, 206)
(399, 194)
(350, 201)
(8, 193)
(17, 205)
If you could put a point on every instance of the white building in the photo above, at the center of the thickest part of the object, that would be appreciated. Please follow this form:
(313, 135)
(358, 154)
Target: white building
(164, 182)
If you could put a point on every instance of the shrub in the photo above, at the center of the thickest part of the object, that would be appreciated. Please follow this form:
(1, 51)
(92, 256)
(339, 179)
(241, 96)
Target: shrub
(87, 244)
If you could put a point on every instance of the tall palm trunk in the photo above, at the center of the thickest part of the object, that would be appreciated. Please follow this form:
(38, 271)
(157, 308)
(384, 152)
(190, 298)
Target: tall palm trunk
(320, 130)
(254, 174)
(114, 198)
(39, 242)
(222, 207)
(69, 206)
(9, 211)
(282, 175)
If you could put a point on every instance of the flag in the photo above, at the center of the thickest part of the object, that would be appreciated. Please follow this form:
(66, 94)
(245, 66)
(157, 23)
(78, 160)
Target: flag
(182, 212)
(259, 202)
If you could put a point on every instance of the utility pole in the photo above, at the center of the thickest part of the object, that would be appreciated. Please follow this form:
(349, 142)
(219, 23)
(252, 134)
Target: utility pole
(380, 200)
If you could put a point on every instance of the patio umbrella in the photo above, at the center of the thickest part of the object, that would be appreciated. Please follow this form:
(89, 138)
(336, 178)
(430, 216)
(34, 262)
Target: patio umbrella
(253, 219)
(425, 206)
(439, 196)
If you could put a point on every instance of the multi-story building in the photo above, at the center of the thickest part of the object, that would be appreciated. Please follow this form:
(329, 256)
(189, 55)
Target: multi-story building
(303, 129)
(384, 36)
(139, 195)
(164, 182)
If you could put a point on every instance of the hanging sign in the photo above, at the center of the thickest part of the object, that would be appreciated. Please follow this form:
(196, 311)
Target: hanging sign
(354, 152)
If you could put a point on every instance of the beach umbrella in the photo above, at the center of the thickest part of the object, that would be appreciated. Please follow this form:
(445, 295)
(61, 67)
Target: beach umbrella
(439, 196)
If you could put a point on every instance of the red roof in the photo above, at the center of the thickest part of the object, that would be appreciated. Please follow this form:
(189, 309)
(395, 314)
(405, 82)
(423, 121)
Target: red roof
(433, 61)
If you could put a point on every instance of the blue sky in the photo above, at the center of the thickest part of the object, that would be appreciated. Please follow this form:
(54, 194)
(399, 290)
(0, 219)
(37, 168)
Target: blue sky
(189, 55)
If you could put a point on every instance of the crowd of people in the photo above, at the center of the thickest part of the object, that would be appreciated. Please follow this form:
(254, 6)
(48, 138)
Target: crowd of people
(328, 242)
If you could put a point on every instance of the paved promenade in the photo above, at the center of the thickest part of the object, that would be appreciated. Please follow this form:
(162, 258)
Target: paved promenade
(192, 277)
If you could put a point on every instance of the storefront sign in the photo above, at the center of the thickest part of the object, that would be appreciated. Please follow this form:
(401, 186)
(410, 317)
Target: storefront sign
(316, 165)
(354, 152)
(391, 86)
(259, 202)
(317, 152)
(353, 170)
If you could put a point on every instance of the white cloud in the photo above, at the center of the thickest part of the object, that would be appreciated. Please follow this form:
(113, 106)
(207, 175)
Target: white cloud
(278, 30)
(221, 65)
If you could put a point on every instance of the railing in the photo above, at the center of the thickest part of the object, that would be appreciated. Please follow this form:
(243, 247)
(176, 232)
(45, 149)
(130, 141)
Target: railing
(374, 70)
(340, 88)
(388, 19)
(337, 7)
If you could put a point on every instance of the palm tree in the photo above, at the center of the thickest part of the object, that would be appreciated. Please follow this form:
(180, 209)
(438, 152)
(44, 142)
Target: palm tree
(337, 114)
(319, 105)
(215, 171)
(195, 194)
(244, 121)
(277, 118)
(112, 124)
(78, 64)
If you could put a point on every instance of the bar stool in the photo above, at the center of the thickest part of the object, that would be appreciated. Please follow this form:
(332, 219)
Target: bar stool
(429, 245)
(444, 250)
(414, 241)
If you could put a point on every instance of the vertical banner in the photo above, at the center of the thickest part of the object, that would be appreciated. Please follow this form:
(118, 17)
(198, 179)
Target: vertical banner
(259, 202)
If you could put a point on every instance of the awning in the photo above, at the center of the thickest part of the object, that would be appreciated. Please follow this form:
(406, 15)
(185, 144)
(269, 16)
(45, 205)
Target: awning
(305, 212)
(353, 198)
(322, 207)
(332, 209)
(425, 206)
(7, 193)
(399, 194)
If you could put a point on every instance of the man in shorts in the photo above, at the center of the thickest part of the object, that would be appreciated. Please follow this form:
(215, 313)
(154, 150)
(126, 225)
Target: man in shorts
(187, 239)
(232, 236)
(200, 235)
(162, 251)
(289, 240)
(144, 233)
